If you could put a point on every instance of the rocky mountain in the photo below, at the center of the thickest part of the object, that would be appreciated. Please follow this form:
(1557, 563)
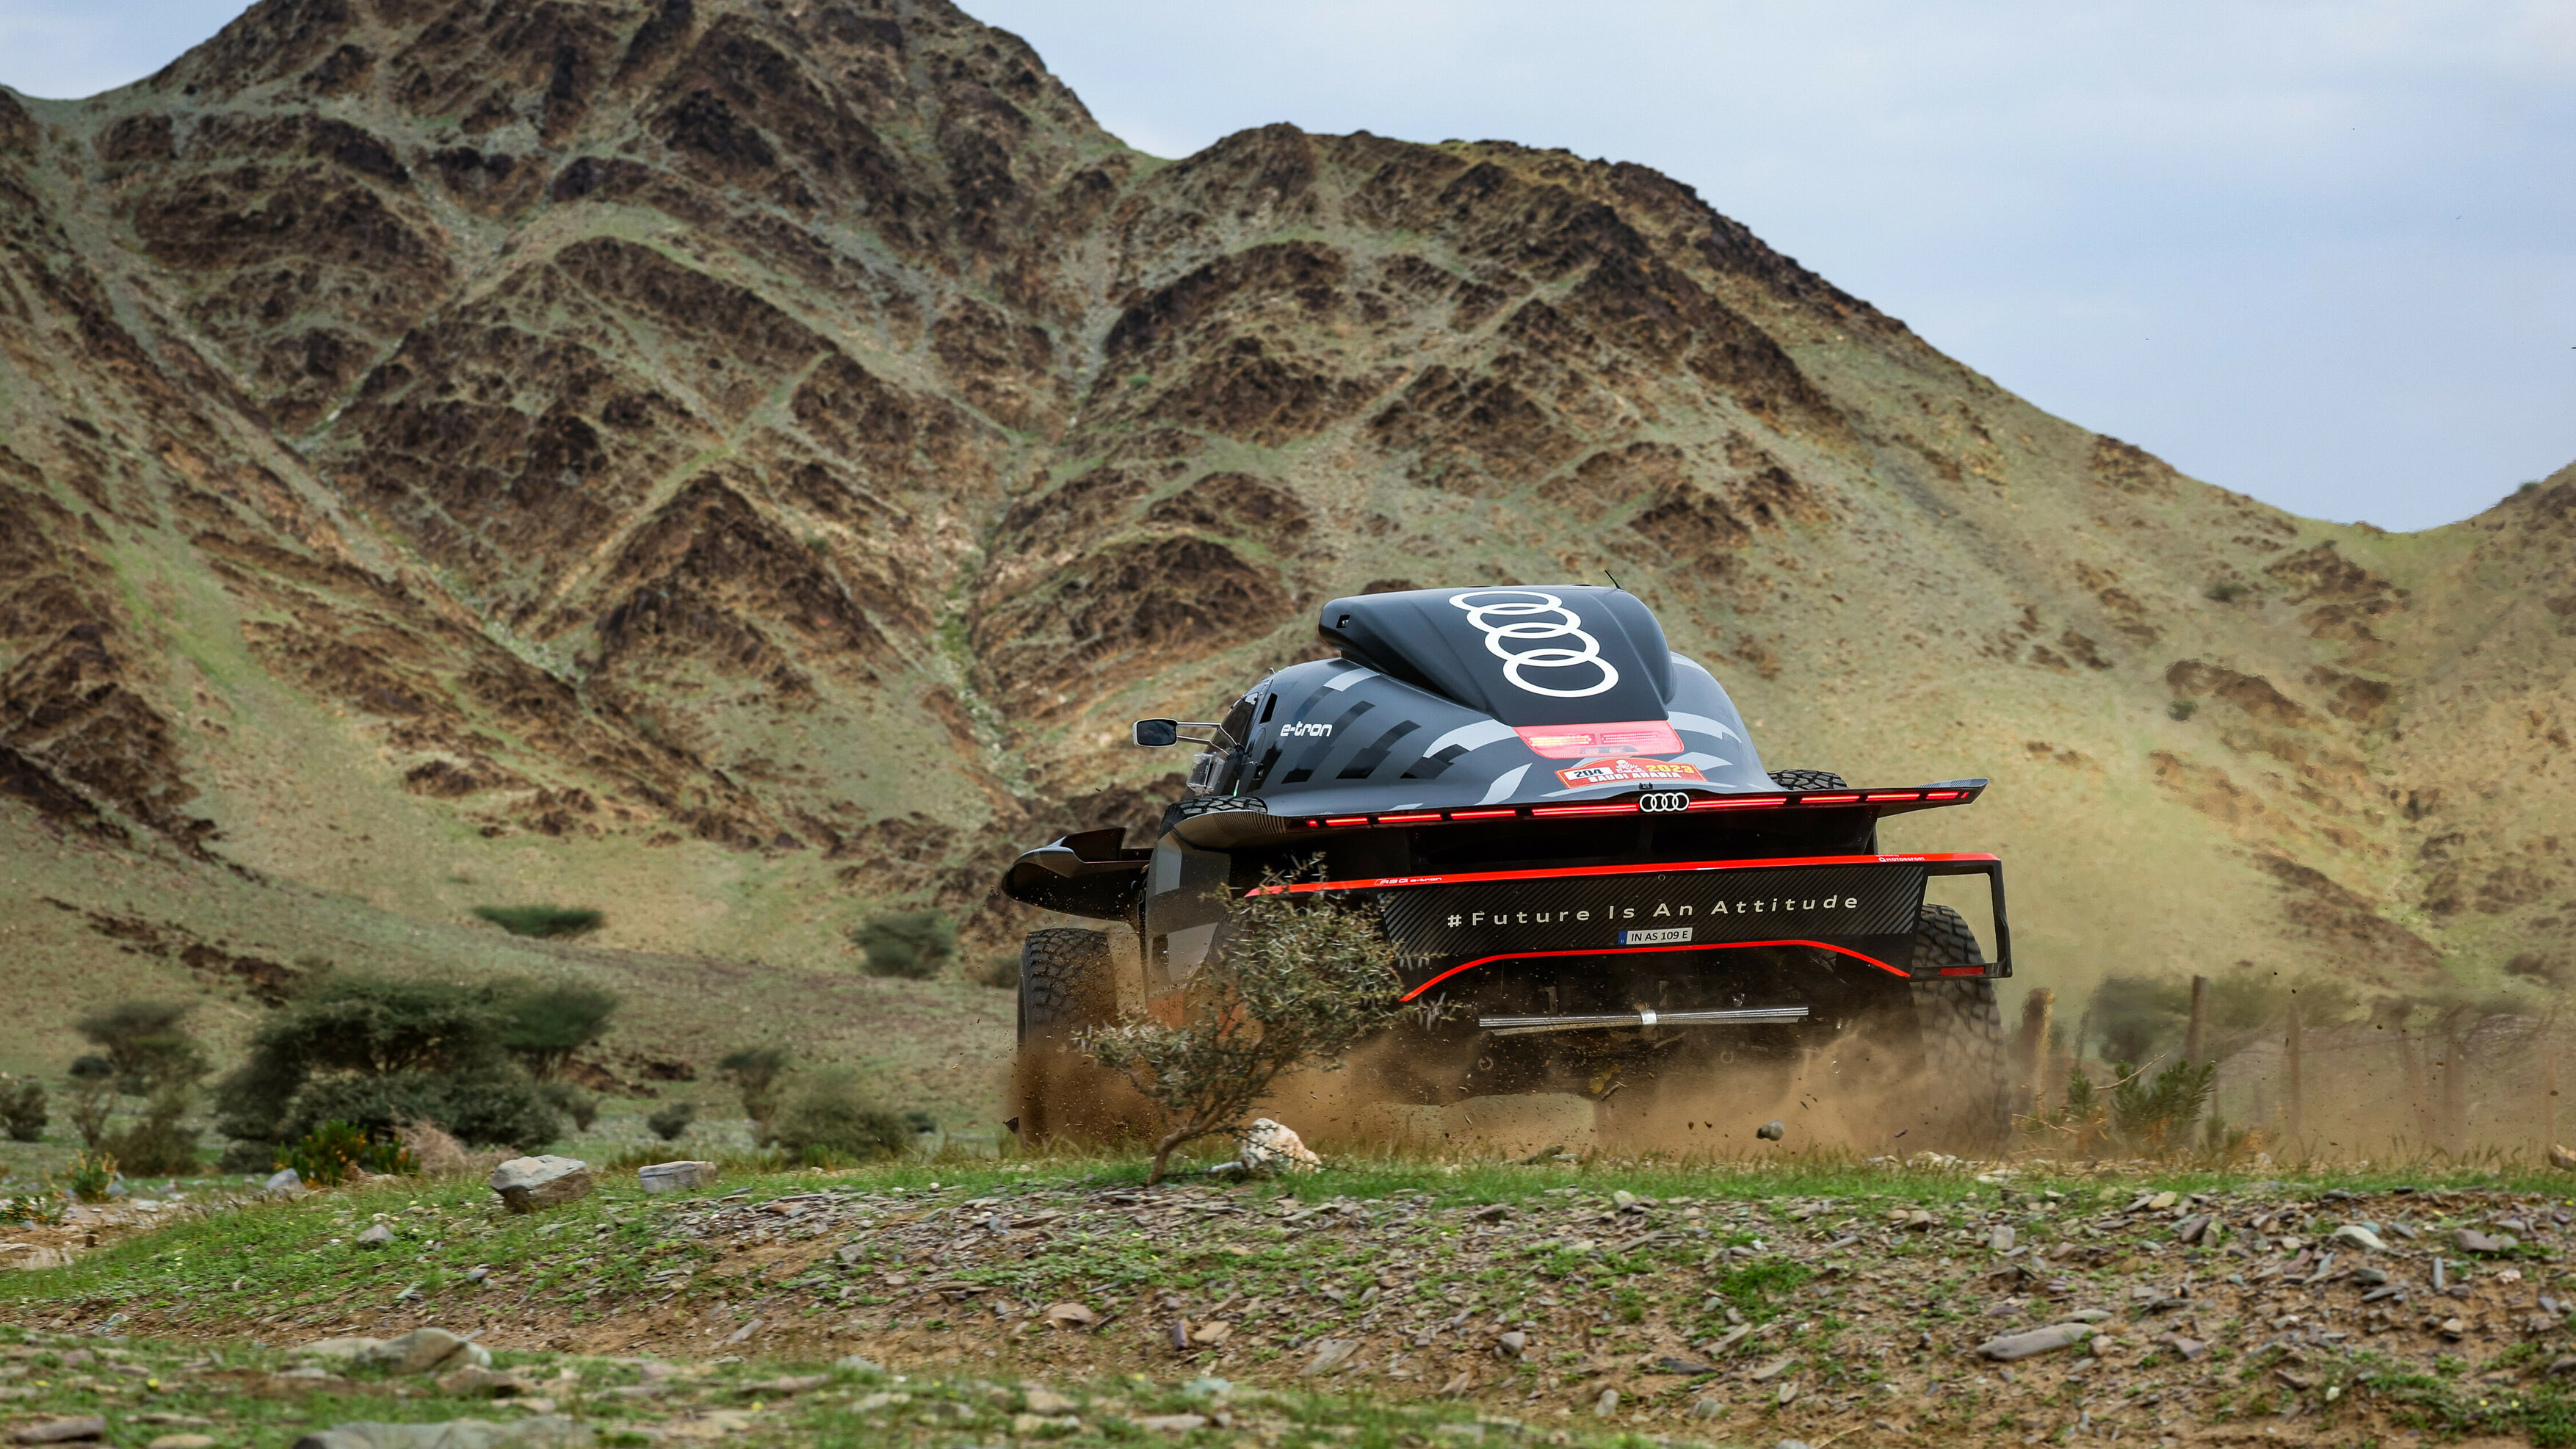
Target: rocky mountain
(740, 463)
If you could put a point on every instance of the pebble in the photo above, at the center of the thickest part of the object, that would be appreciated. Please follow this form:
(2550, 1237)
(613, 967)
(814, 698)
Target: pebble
(1606, 1405)
(61, 1431)
(376, 1237)
(2015, 1346)
(2360, 1237)
(183, 1441)
(2470, 1240)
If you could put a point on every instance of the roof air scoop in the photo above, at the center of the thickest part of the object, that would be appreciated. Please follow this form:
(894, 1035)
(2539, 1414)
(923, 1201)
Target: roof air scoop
(1537, 654)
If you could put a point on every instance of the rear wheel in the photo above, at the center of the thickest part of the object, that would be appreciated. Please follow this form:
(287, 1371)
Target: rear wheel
(1968, 1092)
(1065, 984)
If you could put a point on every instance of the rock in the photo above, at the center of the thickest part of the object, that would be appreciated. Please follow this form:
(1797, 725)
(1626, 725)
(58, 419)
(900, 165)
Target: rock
(1622, 1200)
(430, 1350)
(1670, 1365)
(1071, 1315)
(2190, 1229)
(1174, 1423)
(1606, 1405)
(376, 1237)
(1511, 1345)
(676, 1176)
(2563, 1364)
(529, 1183)
(856, 1364)
(2015, 1346)
(1772, 1131)
(1330, 1354)
(2370, 1277)
(788, 1387)
(1270, 1147)
(2470, 1240)
(2089, 1315)
(545, 1431)
(2161, 1201)
(183, 1441)
(284, 1180)
(1046, 1401)
(61, 1431)
(2190, 1348)
(1209, 1335)
(2454, 1328)
(476, 1382)
(2001, 1239)
(2359, 1237)
(1790, 1444)
(353, 1349)
(1774, 1369)
(2561, 1157)
(1708, 1407)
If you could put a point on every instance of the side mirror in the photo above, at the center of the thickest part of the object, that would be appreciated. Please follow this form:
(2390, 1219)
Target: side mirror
(1153, 734)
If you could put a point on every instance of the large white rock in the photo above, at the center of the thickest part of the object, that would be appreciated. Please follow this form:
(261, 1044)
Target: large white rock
(1269, 1147)
(676, 1176)
(529, 1183)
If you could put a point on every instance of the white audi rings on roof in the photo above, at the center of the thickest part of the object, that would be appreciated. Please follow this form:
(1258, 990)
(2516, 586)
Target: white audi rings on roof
(1526, 609)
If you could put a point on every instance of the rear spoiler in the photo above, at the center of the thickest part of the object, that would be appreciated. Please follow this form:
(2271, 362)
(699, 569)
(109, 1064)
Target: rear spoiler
(1222, 829)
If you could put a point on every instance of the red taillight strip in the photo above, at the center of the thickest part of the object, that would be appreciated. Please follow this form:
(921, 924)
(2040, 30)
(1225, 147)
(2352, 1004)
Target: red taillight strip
(1641, 950)
(1629, 807)
(1568, 872)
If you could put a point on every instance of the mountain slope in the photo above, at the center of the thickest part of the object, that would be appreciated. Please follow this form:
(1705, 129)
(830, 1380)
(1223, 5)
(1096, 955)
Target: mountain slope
(739, 464)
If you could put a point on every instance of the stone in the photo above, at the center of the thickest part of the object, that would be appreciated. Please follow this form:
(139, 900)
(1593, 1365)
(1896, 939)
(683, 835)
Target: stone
(2001, 1239)
(1772, 1131)
(2370, 1277)
(2012, 1347)
(856, 1364)
(676, 1176)
(1174, 1423)
(1773, 1369)
(1071, 1315)
(1330, 1354)
(1708, 1407)
(527, 1184)
(1790, 1444)
(2359, 1237)
(787, 1387)
(476, 1382)
(544, 1431)
(2561, 1157)
(2470, 1240)
(1269, 1147)
(1511, 1345)
(1670, 1365)
(1046, 1401)
(1622, 1200)
(284, 1180)
(183, 1441)
(2162, 1201)
(376, 1237)
(430, 1350)
(61, 1431)
(1606, 1405)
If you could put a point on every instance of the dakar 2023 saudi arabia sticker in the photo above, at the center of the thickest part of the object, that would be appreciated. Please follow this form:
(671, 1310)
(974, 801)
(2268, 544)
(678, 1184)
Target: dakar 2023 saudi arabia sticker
(1628, 770)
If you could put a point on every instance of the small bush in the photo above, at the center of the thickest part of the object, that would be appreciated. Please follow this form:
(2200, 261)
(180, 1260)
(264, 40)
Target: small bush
(2226, 591)
(2183, 709)
(1001, 971)
(754, 1072)
(22, 1109)
(498, 1109)
(542, 920)
(829, 1116)
(93, 1097)
(146, 1045)
(90, 1175)
(159, 1145)
(42, 1208)
(914, 945)
(572, 1101)
(335, 1151)
(669, 1122)
(548, 1023)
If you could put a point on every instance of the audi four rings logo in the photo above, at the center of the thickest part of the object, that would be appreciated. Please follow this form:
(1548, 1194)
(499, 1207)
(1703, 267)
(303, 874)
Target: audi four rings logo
(1529, 620)
(1663, 802)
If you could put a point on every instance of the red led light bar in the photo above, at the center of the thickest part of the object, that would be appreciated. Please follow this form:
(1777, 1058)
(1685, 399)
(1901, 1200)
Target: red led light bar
(1877, 795)
(1651, 950)
(1348, 820)
(1414, 819)
(1630, 807)
(1850, 799)
(1503, 814)
(1739, 802)
(1623, 807)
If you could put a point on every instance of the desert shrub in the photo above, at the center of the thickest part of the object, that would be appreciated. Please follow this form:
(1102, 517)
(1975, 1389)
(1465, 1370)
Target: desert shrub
(754, 1072)
(381, 1051)
(42, 1208)
(572, 1101)
(2225, 591)
(1001, 971)
(499, 1109)
(333, 1152)
(547, 1023)
(22, 1109)
(146, 1044)
(1298, 983)
(542, 920)
(2135, 1015)
(2183, 709)
(669, 1122)
(90, 1175)
(914, 945)
(160, 1144)
(2156, 1117)
(829, 1116)
(93, 1098)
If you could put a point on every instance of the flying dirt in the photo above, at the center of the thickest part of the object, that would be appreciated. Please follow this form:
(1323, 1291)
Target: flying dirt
(1641, 936)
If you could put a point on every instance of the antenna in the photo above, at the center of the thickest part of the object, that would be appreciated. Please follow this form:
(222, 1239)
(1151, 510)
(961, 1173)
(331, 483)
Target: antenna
(1614, 580)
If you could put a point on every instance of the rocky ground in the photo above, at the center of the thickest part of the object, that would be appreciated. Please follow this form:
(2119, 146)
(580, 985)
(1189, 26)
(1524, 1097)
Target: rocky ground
(1736, 1307)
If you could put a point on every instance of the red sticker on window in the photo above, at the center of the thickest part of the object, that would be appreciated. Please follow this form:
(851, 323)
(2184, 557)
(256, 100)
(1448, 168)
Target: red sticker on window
(1629, 771)
(1578, 742)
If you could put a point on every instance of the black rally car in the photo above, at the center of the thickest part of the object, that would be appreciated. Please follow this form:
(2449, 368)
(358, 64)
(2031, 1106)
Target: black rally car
(1567, 828)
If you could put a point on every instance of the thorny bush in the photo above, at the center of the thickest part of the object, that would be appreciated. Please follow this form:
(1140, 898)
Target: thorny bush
(1297, 981)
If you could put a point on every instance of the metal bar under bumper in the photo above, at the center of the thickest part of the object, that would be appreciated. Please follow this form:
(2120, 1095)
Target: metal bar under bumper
(1528, 1025)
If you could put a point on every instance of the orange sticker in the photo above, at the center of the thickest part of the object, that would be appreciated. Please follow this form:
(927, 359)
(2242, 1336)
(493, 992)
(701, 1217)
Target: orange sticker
(1627, 770)
(1583, 742)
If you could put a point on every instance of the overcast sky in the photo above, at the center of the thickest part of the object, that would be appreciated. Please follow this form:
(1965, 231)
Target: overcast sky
(2321, 253)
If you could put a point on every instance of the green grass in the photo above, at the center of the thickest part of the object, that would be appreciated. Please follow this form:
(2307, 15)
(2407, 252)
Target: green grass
(542, 921)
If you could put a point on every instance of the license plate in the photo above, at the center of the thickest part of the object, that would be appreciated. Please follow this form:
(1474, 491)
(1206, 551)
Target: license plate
(1668, 936)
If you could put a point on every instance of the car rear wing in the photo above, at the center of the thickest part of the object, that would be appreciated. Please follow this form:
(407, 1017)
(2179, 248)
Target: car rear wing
(1259, 819)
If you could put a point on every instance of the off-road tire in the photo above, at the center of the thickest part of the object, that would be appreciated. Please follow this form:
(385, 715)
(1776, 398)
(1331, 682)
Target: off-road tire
(1065, 983)
(1962, 1030)
(1804, 780)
